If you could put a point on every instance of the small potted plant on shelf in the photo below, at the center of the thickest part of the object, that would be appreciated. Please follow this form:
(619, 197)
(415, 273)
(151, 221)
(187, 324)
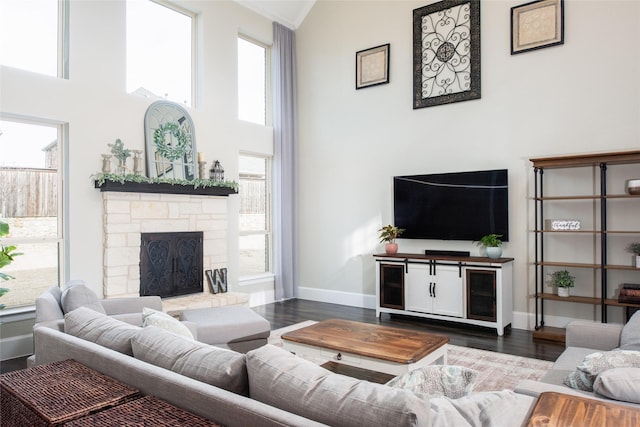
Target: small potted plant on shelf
(388, 236)
(563, 280)
(634, 248)
(492, 245)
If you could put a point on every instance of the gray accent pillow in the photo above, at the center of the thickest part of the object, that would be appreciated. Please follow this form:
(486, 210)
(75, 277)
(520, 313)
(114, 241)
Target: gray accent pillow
(281, 379)
(48, 305)
(619, 384)
(212, 365)
(80, 296)
(96, 327)
(438, 380)
(630, 335)
(597, 363)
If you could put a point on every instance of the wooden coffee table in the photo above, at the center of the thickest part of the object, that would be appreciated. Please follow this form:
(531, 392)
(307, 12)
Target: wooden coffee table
(373, 347)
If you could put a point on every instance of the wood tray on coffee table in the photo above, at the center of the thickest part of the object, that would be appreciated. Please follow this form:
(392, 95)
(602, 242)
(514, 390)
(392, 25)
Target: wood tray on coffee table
(369, 346)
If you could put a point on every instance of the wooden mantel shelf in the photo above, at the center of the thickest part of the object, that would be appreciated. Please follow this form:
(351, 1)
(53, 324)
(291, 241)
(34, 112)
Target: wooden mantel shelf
(163, 188)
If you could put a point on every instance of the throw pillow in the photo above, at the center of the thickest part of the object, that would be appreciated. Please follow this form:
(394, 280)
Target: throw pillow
(212, 365)
(438, 380)
(80, 296)
(596, 363)
(619, 384)
(151, 317)
(48, 305)
(630, 335)
(286, 381)
(101, 329)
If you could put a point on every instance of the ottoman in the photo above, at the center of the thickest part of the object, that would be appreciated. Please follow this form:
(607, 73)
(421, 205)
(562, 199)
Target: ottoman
(236, 327)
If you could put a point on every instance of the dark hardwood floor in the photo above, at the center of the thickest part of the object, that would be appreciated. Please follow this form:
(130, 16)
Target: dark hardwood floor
(514, 341)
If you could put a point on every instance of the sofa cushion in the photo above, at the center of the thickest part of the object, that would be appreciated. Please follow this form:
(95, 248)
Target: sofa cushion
(212, 365)
(151, 317)
(48, 305)
(438, 380)
(281, 379)
(80, 296)
(630, 336)
(596, 363)
(96, 327)
(619, 384)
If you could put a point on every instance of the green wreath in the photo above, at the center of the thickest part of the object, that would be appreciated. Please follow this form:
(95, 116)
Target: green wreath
(166, 150)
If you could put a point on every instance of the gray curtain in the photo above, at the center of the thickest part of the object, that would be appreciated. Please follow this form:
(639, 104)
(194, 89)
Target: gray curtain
(284, 164)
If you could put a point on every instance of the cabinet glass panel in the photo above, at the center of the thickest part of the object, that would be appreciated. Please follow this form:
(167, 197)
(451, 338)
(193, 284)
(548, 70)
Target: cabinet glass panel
(481, 295)
(392, 286)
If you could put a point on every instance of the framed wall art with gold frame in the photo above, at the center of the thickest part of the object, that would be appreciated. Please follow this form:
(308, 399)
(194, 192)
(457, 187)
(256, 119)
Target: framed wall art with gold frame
(537, 25)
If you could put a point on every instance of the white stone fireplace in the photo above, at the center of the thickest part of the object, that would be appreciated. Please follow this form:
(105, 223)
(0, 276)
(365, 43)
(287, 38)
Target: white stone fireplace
(128, 214)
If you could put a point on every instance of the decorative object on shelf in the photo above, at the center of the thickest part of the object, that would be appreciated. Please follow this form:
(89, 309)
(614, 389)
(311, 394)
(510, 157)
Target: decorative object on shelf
(492, 245)
(634, 248)
(563, 224)
(220, 278)
(446, 53)
(216, 173)
(372, 66)
(121, 154)
(563, 280)
(633, 186)
(170, 141)
(106, 163)
(137, 162)
(213, 286)
(6, 257)
(629, 293)
(536, 25)
(388, 236)
(202, 166)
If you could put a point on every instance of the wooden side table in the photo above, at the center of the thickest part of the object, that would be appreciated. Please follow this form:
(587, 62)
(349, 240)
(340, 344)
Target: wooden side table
(52, 394)
(565, 410)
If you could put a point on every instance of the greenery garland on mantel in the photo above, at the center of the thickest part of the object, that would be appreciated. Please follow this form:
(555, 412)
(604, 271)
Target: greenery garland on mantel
(101, 178)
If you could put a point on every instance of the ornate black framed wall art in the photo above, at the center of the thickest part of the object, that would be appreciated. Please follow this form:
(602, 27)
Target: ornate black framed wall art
(372, 66)
(537, 25)
(446, 53)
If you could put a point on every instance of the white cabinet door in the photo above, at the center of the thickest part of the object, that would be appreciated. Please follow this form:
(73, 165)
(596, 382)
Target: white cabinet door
(418, 285)
(448, 298)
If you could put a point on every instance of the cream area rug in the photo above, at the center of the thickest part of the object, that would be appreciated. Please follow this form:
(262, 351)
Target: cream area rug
(497, 371)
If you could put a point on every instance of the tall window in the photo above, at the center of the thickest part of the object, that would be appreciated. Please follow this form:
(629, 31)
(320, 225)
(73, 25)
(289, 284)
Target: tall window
(255, 216)
(160, 51)
(29, 32)
(30, 202)
(252, 81)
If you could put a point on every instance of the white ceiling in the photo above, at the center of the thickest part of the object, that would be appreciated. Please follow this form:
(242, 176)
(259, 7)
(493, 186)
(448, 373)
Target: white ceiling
(290, 13)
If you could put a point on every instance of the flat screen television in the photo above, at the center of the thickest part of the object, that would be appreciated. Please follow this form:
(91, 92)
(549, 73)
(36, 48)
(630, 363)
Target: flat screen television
(452, 206)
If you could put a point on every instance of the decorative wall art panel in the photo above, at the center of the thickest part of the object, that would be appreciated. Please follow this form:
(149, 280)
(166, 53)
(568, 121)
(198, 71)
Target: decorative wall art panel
(372, 66)
(536, 25)
(446, 53)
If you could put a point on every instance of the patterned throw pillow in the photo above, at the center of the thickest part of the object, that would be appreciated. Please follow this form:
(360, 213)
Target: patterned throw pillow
(438, 380)
(596, 363)
(151, 317)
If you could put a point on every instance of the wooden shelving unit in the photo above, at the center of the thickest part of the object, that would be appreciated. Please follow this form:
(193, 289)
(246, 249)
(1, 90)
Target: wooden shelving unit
(601, 231)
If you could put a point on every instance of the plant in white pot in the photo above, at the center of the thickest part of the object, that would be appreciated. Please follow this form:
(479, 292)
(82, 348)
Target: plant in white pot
(388, 236)
(634, 248)
(492, 245)
(563, 281)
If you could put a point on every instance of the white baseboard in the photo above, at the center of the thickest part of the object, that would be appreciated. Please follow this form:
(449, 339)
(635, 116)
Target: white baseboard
(338, 297)
(13, 347)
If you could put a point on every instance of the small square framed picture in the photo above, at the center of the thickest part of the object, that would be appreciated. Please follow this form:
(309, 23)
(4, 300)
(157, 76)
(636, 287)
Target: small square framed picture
(372, 66)
(537, 25)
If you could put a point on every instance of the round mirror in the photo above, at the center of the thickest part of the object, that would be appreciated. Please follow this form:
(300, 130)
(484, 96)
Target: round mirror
(171, 142)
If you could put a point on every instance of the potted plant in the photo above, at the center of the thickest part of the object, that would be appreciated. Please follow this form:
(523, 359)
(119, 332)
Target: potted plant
(6, 257)
(563, 280)
(388, 236)
(634, 248)
(492, 245)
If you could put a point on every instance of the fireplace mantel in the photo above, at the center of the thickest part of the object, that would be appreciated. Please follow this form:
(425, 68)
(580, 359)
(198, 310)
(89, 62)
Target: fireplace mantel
(164, 188)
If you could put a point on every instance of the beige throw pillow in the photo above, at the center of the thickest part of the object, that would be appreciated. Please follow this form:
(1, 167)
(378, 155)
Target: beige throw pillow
(151, 317)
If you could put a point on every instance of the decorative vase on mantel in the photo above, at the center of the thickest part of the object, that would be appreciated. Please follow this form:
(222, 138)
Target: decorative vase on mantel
(391, 248)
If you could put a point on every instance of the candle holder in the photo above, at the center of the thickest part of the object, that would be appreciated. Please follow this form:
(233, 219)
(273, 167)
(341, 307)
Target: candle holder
(202, 169)
(137, 162)
(216, 173)
(106, 163)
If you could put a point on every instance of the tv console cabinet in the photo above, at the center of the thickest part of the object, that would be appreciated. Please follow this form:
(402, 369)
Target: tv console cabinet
(464, 289)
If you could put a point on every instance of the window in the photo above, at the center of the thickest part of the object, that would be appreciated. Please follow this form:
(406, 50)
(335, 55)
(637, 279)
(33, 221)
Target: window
(255, 216)
(252, 82)
(160, 51)
(30, 202)
(29, 35)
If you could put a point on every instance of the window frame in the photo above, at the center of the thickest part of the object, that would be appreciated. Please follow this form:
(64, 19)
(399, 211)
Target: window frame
(267, 81)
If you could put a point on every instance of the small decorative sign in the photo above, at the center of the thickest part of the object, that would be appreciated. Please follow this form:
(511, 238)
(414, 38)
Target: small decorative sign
(562, 224)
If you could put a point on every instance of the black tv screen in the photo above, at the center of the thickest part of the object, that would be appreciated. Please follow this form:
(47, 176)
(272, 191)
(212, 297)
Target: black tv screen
(452, 206)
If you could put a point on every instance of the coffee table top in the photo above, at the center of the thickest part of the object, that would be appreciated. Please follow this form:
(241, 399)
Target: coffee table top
(370, 340)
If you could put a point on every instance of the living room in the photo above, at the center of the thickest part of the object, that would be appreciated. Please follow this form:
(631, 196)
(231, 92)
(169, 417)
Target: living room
(575, 98)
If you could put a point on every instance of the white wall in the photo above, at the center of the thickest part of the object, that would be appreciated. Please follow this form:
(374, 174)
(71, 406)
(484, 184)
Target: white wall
(581, 97)
(95, 106)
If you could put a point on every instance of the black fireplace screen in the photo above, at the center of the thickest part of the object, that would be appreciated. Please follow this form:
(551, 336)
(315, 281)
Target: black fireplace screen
(171, 264)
